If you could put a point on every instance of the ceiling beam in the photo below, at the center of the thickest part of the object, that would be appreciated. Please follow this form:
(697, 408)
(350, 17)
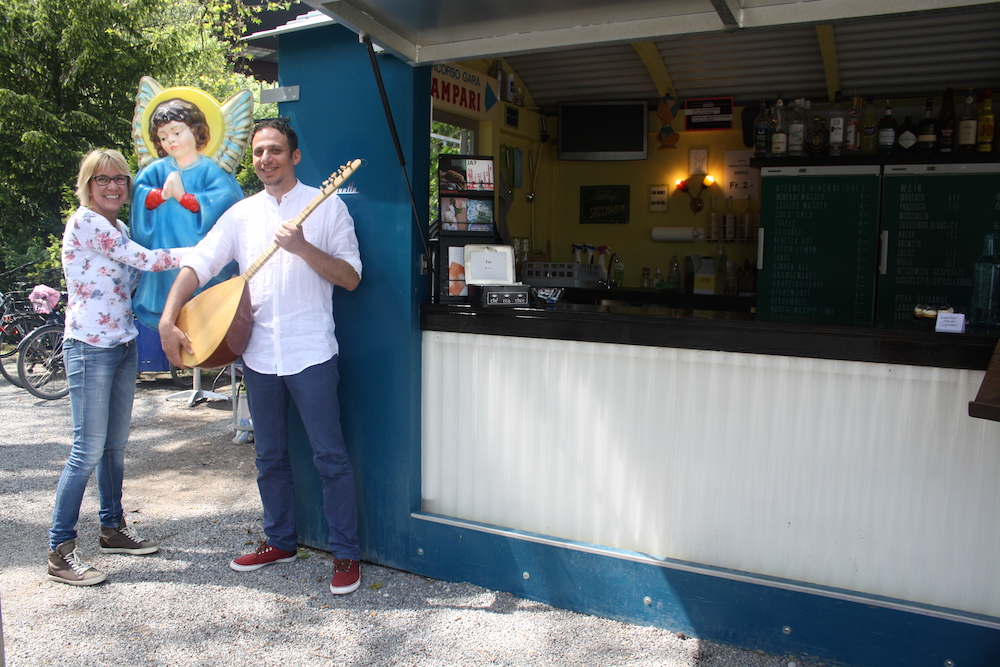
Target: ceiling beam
(657, 69)
(831, 62)
(724, 8)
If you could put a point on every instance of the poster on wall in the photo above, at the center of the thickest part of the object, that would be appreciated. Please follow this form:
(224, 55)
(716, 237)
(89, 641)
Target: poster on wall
(741, 179)
(465, 193)
(604, 204)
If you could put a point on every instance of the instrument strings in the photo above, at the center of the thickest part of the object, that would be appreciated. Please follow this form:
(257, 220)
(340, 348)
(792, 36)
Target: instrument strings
(329, 187)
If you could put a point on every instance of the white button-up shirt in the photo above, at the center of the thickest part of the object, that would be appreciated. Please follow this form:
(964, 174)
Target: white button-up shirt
(293, 326)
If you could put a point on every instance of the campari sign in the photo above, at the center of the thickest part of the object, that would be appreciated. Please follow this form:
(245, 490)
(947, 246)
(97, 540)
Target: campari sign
(464, 92)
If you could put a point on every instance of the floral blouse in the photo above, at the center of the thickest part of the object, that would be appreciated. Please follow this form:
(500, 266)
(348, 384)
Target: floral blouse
(102, 266)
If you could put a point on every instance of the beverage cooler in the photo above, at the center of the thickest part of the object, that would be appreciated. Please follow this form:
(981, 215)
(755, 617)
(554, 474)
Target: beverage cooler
(864, 245)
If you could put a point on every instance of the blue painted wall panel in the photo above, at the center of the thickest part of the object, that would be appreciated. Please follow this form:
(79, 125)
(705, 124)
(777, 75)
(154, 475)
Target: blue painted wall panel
(340, 117)
(700, 604)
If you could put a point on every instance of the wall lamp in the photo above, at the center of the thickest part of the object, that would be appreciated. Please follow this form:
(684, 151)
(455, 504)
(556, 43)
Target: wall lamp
(688, 184)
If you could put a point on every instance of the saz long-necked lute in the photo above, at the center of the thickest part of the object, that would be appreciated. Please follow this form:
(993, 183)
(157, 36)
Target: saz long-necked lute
(217, 321)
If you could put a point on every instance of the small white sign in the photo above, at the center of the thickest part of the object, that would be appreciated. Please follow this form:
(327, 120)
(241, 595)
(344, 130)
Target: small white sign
(741, 179)
(950, 323)
(489, 265)
(658, 197)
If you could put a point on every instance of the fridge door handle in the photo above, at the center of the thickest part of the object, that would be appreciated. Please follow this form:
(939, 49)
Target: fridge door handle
(760, 248)
(883, 261)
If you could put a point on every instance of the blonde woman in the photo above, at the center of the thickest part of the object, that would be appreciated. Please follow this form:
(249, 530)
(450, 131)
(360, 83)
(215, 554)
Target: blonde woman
(102, 266)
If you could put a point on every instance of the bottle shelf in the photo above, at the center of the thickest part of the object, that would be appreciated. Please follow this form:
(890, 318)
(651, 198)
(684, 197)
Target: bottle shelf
(914, 158)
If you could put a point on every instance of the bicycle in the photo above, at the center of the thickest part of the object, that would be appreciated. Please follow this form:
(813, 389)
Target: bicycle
(17, 319)
(41, 368)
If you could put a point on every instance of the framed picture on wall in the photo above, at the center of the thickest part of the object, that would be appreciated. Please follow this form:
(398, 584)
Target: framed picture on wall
(604, 204)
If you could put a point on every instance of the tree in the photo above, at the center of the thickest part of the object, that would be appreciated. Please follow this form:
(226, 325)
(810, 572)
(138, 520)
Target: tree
(69, 72)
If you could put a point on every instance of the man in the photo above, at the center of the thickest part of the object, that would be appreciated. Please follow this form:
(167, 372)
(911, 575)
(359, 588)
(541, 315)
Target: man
(293, 351)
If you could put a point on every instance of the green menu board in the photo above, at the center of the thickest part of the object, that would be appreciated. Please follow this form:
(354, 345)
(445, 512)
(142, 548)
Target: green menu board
(818, 256)
(934, 218)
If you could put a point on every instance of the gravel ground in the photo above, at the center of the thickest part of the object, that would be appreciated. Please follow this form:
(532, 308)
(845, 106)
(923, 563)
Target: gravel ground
(191, 489)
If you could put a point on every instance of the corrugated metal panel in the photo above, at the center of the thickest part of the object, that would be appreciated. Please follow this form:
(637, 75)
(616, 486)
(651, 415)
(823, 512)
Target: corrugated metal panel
(747, 65)
(920, 55)
(899, 57)
(864, 477)
(599, 73)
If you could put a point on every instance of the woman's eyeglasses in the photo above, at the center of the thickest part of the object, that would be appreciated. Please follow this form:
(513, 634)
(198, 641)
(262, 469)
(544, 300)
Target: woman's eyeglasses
(120, 179)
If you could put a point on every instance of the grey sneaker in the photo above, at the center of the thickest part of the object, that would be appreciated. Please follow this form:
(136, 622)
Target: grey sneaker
(124, 540)
(66, 567)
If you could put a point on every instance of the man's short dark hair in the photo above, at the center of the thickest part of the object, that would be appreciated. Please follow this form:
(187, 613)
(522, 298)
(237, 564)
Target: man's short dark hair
(280, 126)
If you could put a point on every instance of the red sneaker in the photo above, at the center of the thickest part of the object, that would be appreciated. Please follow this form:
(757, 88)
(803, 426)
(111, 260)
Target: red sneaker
(346, 576)
(264, 555)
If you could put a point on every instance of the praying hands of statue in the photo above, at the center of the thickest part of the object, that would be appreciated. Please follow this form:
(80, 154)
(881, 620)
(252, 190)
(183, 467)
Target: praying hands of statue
(173, 186)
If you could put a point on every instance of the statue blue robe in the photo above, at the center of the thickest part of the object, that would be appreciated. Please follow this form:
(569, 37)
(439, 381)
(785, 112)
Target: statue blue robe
(170, 225)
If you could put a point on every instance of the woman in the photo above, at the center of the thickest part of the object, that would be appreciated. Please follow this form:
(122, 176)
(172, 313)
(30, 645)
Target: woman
(102, 267)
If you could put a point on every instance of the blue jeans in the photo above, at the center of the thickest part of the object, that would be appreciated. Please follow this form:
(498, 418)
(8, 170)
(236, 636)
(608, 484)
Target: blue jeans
(101, 389)
(314, 391)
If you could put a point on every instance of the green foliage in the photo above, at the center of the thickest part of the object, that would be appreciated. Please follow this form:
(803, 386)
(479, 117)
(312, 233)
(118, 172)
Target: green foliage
(440, 147)
(69, 73)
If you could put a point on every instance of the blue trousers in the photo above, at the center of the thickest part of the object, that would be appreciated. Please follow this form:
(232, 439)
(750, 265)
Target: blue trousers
(314, 391)
(101, 389)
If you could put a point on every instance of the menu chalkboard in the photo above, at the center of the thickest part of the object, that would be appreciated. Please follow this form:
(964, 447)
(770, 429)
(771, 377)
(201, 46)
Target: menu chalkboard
(818, 255)
(934, 218)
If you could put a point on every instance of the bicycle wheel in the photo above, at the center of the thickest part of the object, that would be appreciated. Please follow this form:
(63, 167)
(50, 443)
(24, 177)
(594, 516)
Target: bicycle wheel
(40, 364)
(12, 331)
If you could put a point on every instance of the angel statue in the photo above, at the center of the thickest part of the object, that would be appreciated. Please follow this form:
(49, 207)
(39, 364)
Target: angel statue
(188, 147)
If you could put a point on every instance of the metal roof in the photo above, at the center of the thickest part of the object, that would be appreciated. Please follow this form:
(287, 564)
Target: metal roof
(636, 49)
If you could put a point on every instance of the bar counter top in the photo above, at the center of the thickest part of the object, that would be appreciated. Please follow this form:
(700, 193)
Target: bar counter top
(915, 343)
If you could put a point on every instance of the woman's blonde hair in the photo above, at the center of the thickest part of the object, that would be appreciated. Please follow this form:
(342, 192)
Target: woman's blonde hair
(92, 163)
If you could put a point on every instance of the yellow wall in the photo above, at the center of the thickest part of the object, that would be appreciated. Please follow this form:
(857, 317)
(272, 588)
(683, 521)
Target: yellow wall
(551, 220)
(556, 208)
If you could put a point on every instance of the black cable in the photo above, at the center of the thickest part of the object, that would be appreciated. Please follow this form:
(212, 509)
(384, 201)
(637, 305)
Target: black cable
(395, 140)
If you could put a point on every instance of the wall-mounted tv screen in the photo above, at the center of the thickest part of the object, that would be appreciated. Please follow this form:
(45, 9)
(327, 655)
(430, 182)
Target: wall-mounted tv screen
(602, 130)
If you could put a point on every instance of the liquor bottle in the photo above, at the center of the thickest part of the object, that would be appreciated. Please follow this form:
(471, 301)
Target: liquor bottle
(887, 132)
(674, 274)
(779, 131)
(869, 129)
(746, 225)
(984, 310)
(762, 131)
(987, 124)
(720, 270)
(906, 137)
(836, 126)
(658, 281)
(968, 126)
(817, 139)
(797, 130)
(729, 221)
(947, 122)
(927, 134)
(852, 127)
(714, 230)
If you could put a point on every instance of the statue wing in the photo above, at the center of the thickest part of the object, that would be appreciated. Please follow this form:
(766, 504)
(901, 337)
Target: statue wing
(148, 89)
(237, 113)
